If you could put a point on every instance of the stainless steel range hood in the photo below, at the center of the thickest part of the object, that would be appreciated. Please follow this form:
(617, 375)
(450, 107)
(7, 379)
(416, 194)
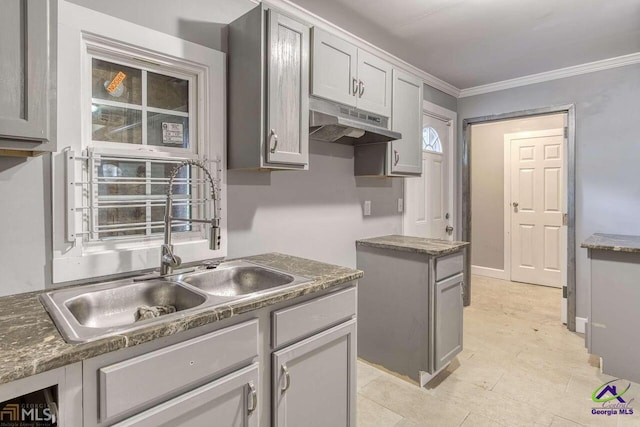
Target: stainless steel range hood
(332, 122)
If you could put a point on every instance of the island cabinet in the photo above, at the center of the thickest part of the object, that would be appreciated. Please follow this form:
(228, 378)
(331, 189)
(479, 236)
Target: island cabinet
(410, 304)
(268, 114)
(27, 75)
(346, 74)
(612, 331)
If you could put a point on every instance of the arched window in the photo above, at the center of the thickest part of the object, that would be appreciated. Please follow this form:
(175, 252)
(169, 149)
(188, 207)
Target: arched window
(431, 140)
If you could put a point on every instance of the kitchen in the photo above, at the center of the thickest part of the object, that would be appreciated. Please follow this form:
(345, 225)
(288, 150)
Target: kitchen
(317, 213)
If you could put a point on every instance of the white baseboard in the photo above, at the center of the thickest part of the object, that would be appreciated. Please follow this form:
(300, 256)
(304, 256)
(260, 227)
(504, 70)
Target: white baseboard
(489, 272)
(581, 324)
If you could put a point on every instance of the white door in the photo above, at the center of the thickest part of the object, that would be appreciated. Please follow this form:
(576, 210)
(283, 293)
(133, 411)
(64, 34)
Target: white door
(536, 206)
(428, 210)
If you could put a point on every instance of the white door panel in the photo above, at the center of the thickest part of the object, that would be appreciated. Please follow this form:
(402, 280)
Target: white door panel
(536, 206)
(428, 196)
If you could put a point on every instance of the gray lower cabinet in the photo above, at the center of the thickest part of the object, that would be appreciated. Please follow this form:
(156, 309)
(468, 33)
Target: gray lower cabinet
(27, 74)
(314, 380)
(268, 107)
(230, 401)
(410, 311)
(447, 325)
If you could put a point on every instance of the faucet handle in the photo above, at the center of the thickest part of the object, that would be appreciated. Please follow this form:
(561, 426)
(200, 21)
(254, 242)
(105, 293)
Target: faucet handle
(169, 258)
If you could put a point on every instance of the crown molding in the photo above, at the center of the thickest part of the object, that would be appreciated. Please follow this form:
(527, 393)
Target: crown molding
(311, 18)
(561, 73)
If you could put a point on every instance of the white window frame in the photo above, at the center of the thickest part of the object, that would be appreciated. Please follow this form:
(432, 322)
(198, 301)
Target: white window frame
(84, 34)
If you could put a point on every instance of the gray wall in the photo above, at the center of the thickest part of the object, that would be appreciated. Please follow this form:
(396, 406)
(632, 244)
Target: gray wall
(607, 149)
(487, 178)
(25, 224)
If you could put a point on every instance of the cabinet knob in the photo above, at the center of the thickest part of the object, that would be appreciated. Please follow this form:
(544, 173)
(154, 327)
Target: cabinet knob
(253, 394)
(354, 87)
(361, 88)
(287, 379)
(274, 136)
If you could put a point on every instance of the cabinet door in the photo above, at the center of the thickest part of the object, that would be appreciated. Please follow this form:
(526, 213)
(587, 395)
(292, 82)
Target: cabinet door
(287, 139)
(230, 401)
(314, 382)
(448, 320)
(334, 66)
(374, 84)
(405, 155)
(24, 70)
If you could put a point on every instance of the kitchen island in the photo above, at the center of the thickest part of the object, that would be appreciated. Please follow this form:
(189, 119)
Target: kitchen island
(615, 298)
(410, 303)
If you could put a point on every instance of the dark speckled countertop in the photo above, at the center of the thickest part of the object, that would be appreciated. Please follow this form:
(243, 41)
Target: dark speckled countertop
(421, 245)
(613, 242)
(30, 342)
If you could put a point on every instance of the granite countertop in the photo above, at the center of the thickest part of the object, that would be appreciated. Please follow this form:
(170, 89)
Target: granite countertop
(30, 342)
(613, 242)
(419, 245)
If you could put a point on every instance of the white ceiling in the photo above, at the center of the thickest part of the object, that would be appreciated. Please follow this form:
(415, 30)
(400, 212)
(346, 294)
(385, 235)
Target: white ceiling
(474, 42)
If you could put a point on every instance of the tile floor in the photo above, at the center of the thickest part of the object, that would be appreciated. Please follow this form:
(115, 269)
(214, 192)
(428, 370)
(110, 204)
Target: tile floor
(519, 367)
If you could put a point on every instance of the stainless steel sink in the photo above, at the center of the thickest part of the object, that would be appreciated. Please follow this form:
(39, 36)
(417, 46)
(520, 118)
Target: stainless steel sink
(238, 279)
(119, 306)
(87, 313)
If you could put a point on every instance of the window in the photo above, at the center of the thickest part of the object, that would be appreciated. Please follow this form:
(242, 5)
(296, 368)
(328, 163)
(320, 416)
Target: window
(133, 103)
(133, 106)
(431, 140)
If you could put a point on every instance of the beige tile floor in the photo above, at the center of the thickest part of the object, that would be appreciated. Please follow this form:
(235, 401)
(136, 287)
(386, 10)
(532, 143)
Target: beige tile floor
(520, 367)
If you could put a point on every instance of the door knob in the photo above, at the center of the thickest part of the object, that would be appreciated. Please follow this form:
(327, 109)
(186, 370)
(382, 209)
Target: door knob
(449, 229)
(515, 204)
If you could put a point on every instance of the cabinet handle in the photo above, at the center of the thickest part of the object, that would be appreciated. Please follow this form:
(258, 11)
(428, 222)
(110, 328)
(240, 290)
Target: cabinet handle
(361, 88)
(396, 157)
(253, 394)
(287, 379)
(354, 87)
(462, 292)
(274, 135)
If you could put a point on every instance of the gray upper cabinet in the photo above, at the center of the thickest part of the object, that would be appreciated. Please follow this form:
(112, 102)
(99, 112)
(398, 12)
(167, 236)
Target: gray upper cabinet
(230, 401)
(268, 114)
(405, 155)
(448, 320)
(314, 380)
(374, 84)
(27, 74)
(334, 68)
(351, 76)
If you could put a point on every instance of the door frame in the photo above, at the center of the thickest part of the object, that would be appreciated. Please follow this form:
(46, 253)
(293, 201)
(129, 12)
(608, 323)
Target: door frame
(569, 292)
(438, 112)
(508, 138)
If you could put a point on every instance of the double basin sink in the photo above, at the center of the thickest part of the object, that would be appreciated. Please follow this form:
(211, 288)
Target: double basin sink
(88, 313)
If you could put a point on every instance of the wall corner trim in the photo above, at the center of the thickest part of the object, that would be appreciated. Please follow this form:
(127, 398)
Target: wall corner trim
(590, 67)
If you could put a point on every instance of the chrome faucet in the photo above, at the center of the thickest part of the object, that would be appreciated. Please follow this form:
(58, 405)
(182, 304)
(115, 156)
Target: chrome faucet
(169, 260)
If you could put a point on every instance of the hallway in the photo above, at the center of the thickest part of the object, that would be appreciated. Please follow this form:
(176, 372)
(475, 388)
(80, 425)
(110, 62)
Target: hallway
(519, 367)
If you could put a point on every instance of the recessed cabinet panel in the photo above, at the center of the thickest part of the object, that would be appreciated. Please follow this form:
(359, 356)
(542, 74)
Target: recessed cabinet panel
(313, 380)
(405, 156)
(448, 320)
(334, 68)
(288, 90)
(374, 84)
(227, 402)
(28, 56)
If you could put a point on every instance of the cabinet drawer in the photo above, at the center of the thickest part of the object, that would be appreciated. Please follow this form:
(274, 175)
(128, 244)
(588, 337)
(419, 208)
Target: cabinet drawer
(449, 265)
(140, 380)
(305, 319)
